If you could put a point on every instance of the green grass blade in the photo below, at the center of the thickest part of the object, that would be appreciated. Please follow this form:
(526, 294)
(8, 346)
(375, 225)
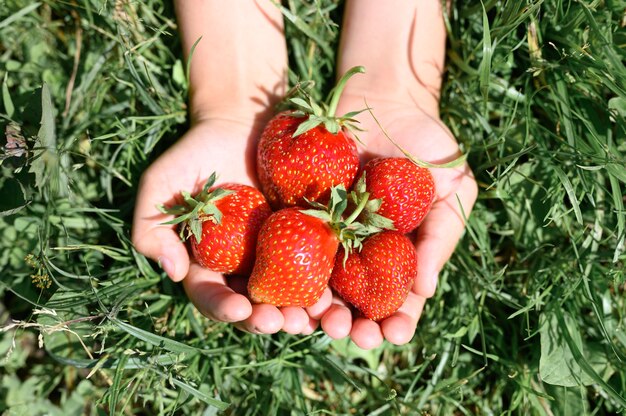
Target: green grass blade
(9, 107)
(19, 14)
(582, 362)
(116, 386)
(157, 340)
(618, 201)
(571, 193)
(485, 65)
(220, 405)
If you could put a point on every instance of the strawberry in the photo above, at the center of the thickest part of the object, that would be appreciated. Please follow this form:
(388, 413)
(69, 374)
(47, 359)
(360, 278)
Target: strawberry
(303, 153)
(377, 279)
(222, 224)
(297, 247)
(406, 191)
(294, 259)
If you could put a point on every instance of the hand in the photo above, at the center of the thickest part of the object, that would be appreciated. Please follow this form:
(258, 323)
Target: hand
(228, 148)
(420, 132)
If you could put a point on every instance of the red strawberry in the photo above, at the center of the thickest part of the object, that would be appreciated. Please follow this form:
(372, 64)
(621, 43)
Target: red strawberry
(302, 154)
(291, 169)
(376, 280)
(294, 259)
(296, 250)
(406, 190)
(222, 224)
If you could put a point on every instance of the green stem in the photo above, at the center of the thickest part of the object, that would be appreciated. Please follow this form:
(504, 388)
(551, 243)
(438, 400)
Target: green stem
(358, 209)
(335, 94)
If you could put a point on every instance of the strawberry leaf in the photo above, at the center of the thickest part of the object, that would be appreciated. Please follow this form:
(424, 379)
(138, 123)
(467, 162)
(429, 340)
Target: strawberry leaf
(363, 230)
(175, 210)
(299, 113)
(178, 219)
(316, 204)
(195, 225)
(332, 125)
(346, 253)
(307, 125)
(373, 205)
(214, 214)
(317, 110)
(361, 185)
(380, 222)
(338, 202)
(322, 215)
(209, 183)
(301, 103)
(349, 115)
(189, 199)
(353, 125)
(217, 194)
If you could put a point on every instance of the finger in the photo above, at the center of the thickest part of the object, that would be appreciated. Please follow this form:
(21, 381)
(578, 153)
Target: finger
(439, 234)
(265, 319)
(158, 242)
(310, 327)
(321, 306)
(366, 334)
(164, 246)
(208, 291)
(295, 319)
(337, 320)
(399, 328)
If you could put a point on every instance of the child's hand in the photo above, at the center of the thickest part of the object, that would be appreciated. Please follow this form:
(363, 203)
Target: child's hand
(226, 147)
(421, 133)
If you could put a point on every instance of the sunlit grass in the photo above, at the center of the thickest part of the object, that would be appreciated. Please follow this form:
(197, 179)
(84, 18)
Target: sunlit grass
(530, 312)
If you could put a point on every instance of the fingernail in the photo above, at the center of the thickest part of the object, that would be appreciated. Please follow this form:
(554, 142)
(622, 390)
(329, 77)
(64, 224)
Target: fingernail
(167, 265)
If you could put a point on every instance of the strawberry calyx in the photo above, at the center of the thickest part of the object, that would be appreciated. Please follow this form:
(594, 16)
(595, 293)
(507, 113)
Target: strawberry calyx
(324, 113)
(369, 215)
(350, 232)
(197, 209)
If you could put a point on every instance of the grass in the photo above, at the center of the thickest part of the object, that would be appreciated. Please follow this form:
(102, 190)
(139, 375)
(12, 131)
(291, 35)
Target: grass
(530, 315)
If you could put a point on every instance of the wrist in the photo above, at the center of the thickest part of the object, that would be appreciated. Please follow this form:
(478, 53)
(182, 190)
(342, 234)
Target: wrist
(384, 95)
(401, 44)
(252, 110)
(239, 64)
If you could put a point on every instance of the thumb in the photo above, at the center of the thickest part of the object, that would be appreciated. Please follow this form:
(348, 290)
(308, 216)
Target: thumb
(151, 238)
(162, 244)
(439, 234)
